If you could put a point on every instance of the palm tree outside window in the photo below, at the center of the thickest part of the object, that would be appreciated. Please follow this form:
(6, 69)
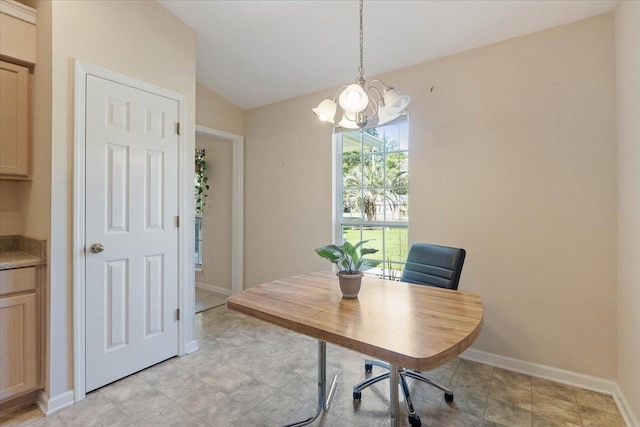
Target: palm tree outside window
(373, 192)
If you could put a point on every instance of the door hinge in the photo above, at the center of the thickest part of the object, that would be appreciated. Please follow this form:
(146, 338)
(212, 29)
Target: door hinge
(178, 128)
(177, 221)
(178, 314)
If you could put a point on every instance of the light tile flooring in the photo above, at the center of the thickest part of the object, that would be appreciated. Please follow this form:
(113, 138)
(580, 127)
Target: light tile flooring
(206, 300)
(251, 373)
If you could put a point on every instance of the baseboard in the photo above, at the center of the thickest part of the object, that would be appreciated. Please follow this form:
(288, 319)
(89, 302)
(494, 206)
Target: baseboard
(212, 288)
(50, 405)
(191, 347)
(558, 375)
(19, 402)
(625, 409)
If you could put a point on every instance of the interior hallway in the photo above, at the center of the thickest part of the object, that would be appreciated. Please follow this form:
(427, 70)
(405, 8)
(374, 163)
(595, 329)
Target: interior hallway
(206, 300)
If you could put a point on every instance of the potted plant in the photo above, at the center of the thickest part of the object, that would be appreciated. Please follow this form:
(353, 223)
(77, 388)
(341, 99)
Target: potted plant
(201, 186)
(349, 259)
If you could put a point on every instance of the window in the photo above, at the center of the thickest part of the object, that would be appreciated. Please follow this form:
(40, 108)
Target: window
(200, 193)
(373, 193)
(198, 241)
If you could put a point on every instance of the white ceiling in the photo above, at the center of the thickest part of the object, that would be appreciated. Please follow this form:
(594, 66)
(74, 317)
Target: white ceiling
(256, 52)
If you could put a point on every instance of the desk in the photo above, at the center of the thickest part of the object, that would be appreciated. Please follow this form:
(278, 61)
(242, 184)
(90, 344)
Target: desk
(412, 326)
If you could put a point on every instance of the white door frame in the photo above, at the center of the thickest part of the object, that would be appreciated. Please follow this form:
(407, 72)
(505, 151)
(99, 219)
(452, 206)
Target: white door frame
(237, 203)
(185, 207)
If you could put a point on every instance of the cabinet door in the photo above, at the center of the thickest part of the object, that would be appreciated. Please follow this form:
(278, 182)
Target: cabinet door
(14, 119)
(18, 345)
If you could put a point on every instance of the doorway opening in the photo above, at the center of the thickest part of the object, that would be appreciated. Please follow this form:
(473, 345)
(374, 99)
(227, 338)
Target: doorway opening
(218, 217)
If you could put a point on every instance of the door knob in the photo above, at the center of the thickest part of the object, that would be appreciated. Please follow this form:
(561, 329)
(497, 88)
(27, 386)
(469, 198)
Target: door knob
(96, 248)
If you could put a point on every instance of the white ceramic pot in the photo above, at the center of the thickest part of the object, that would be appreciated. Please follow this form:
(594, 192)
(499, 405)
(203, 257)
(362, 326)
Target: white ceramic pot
(350, 284)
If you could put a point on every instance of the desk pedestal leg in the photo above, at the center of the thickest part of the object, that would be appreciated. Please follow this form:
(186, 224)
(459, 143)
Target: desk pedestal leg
(394, 402)
(324, 400)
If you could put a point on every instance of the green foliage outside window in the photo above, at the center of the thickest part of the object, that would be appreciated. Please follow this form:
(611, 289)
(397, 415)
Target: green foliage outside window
(374, 188)
(376, 179)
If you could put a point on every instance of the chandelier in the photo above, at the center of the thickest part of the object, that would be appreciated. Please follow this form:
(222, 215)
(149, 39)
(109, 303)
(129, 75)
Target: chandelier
(363, 104)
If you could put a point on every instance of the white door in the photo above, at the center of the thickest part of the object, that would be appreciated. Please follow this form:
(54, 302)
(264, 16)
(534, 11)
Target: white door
(131, 295)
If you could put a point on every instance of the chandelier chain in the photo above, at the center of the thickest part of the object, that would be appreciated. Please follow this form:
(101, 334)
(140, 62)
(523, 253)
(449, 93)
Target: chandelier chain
(362, 105)
(361, 68)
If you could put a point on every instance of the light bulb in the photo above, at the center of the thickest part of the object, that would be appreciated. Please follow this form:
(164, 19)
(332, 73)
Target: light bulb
(353, 99)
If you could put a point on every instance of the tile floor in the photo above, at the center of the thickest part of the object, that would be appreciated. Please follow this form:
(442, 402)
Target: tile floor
(251, 373)
(206, 300)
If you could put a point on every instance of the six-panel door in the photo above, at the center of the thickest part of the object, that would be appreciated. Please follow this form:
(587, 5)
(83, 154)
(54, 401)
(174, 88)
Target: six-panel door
(131, 210)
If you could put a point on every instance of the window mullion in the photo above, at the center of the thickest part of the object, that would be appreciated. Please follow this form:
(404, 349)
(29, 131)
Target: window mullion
(390, 228)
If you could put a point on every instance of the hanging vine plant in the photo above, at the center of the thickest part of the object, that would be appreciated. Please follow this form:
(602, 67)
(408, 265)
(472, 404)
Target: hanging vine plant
(201, 186)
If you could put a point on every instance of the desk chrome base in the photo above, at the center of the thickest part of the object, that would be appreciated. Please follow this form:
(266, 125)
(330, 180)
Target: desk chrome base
(400, 378)
(324, 400)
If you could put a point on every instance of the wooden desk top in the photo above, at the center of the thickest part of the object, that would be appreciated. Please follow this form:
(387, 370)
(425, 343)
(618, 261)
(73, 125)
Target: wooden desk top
(414, 326)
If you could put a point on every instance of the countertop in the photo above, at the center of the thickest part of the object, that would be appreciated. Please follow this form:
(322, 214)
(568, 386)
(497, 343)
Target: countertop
(19, 251)
(18, 259)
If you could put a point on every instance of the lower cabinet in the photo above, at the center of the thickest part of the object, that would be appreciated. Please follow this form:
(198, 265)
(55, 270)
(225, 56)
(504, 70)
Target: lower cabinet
(18, 345)
(18, 342)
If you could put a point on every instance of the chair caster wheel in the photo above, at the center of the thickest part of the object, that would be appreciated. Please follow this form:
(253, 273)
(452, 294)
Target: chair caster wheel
(368, 367)
(414, 421)
(448, 397)
(357, 395)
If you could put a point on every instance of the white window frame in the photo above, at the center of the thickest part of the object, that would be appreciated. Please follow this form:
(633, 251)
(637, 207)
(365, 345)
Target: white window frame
(198, 265)
(338, 221)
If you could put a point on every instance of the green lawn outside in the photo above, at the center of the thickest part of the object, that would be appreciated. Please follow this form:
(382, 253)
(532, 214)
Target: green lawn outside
(396, 240)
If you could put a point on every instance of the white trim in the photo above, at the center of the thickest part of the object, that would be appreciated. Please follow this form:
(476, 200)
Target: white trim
(625, 409)
(588, 382)
(211, 288)
(237, 204)
(185, 234)
(49, 405)
(192, 346)
(185, 267)
(79, 233)
(18, 10)
(541, 371)
(336, 189)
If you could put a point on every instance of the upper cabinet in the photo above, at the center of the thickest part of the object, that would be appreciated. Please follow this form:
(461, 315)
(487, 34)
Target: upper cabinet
(17, 31)
(14, 120)
(18, 53)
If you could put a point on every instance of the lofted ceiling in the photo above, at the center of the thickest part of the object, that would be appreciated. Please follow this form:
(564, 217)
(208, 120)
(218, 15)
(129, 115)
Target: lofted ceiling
(256, 52)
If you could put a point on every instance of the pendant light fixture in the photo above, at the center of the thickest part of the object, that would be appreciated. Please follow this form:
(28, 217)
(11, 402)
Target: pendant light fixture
(363, 104)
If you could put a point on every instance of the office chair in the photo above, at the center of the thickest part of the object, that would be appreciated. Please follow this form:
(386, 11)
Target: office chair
(429, 265)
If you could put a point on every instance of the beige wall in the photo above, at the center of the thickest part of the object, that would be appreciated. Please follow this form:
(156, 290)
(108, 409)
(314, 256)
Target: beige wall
(10, 217)
(36, 194)
(138, 39)
(216, 218)
(627, 17)
(287, 190)
(512, 157)
(214, 111)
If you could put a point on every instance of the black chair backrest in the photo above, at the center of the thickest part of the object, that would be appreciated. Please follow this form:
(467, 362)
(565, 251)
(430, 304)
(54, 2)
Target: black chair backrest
(434, 265)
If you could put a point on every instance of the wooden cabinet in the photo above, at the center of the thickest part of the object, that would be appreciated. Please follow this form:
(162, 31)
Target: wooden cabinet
(14, 121)
(17, 31)
(19, 356)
